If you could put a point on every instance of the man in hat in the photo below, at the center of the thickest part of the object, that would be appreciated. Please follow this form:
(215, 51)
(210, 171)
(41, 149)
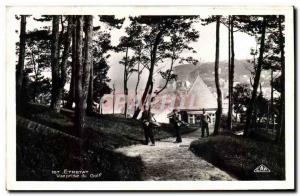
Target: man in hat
(205, 119)
(147, 126)
(174, 120)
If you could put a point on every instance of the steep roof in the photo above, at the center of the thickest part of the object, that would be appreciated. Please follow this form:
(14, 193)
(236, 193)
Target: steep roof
(196, 97)
(203, 97)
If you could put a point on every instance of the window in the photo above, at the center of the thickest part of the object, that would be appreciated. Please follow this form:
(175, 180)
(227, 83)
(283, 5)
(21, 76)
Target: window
(191, 118)
(212, 118)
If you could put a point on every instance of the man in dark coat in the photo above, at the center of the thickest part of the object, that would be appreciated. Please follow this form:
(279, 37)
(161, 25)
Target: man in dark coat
(205, 118)
(174, 120)
(147, 126)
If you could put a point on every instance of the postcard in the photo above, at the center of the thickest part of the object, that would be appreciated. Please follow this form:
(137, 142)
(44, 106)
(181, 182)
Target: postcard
(150, 98)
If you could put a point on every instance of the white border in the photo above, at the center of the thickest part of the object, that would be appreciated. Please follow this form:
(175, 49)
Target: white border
(12, 184)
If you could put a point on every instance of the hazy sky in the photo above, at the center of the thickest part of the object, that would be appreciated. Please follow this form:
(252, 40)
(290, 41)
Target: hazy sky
(205, 47)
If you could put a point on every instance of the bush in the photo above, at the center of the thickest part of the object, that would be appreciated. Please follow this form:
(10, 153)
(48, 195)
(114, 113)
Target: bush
(38, 154)
(240, 156)
(53, 147)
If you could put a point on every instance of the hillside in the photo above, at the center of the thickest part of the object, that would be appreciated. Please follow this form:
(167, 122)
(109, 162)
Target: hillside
(242, 71)
(45, 143)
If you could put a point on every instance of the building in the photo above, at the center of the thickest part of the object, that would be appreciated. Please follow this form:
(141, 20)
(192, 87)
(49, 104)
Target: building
(191, 94)
(202, 98)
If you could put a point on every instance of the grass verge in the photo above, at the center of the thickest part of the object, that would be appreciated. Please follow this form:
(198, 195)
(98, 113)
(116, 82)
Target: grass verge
(53, 146)
(240, 156)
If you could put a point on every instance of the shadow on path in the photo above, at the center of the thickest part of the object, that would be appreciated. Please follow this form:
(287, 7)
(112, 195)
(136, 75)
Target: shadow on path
(174, 161)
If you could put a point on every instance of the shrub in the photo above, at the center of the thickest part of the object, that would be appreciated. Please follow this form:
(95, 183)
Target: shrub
(240, 156)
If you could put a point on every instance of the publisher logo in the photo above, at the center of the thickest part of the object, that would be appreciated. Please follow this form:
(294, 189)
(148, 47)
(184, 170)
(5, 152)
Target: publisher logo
(262, 169)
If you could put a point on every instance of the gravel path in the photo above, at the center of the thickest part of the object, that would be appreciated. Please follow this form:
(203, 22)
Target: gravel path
(172, 161)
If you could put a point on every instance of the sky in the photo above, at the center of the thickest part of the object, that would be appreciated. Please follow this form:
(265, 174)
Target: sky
(204, 46)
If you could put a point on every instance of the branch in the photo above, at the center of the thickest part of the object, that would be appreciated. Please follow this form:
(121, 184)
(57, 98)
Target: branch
(67, 42)
(168, 78)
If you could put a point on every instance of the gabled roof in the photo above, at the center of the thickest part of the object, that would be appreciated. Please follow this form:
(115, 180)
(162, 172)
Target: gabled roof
(203, 97)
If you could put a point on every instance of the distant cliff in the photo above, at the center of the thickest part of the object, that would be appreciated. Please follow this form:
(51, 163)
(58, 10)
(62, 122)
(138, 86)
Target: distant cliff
(242, 73)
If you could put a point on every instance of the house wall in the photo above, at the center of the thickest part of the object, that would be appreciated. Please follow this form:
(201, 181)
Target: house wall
(193, 117)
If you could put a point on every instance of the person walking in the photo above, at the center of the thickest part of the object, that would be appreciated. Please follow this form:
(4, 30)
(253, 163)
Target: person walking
(205, 119)
(147, 126)
(176, 124)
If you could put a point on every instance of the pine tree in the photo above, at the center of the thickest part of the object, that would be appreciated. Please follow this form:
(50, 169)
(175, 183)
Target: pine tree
(20, 66)
(59, 69)
(258, 70)
(219, 93)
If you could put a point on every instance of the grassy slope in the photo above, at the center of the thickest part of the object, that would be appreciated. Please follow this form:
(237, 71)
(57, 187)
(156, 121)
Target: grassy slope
(109, 131)
(38, 153)
(240, 156)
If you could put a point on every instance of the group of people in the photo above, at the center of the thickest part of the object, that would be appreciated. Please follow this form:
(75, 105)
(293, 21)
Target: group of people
(148, 122)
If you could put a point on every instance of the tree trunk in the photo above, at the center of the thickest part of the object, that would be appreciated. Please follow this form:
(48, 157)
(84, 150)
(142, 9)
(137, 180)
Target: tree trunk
(125, 83)
(90, 99)
(272, 102)
(157, 92)
(229, 72)
(149, 96)
(114, 98)
(90, 96)
(254, 118)
(281, 132)
(64, 58)
(20, 66)
(150, 77)
(136, 86)
(55, 99)
(256, 79)
(138, 79)
(219, 93)
(59, 71)
(88, 61)
(231, 75)
(83, 69)
(71, 95)
(268, 117)
(79, 108)
(35, 70)
(167, 80)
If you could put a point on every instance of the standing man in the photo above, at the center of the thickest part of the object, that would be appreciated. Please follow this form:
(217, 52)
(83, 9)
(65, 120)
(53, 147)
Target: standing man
(176, 124)
(147, 126)
(205, 118)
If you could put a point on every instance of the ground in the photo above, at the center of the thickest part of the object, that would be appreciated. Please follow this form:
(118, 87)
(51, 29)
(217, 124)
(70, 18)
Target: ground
(174, 161)
(241, 156)
(113, 145)
(45, 142)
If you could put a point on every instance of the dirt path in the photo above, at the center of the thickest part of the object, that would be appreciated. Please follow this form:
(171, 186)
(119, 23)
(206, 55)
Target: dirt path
(172, 161)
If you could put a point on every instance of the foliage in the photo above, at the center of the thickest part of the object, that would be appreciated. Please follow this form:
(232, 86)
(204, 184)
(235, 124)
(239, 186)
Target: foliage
(159, 38)
(240, 156)
(37, 58)
(241, 96)
(177, 33)
(112, 21)
(101, 47)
